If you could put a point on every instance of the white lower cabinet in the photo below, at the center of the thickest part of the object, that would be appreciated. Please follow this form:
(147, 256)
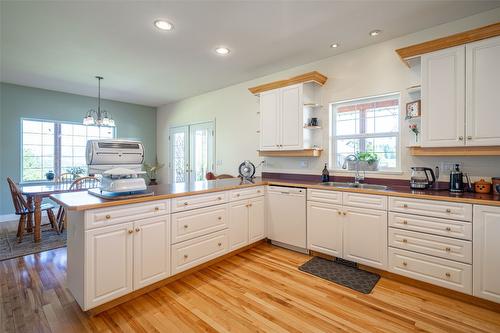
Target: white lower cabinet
(324, 228)
(256, 220)
(247, 222)
(365, 236)
(486, 240)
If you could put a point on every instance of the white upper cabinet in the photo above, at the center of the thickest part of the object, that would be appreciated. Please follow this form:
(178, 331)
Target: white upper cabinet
(483, 87)
(269, 119)
(281, 119)
(443, 98)
(292, 126)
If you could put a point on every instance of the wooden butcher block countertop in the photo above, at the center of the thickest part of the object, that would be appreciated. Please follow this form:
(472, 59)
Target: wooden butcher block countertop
(82, 200)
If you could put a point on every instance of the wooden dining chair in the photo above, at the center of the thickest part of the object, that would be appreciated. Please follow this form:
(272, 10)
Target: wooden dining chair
(81, 183)
(212, 176)
(23, 209)
(64, 178)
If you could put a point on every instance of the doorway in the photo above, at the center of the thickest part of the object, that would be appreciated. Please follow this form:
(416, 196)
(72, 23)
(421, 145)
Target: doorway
(191, 152)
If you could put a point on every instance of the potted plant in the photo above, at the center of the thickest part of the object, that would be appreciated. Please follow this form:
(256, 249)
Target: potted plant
(76, 171)
(368, 161)
(151, 170)
(50, 175)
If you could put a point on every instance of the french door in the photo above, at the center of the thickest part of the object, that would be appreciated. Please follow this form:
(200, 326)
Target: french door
(191, 152)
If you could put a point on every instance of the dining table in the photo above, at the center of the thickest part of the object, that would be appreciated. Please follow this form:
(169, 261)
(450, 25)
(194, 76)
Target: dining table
(34, 196)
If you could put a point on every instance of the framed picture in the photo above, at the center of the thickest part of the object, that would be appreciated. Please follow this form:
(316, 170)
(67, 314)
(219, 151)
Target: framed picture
(413, 109)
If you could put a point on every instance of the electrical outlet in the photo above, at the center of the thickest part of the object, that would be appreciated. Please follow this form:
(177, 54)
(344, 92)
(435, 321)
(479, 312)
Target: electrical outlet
(449, 166)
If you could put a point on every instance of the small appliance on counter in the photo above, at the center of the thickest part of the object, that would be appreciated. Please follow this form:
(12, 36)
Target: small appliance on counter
(119, 162)
(422, 178)
(482, 186)
(457, 184)
(496, 185)
(246, 170)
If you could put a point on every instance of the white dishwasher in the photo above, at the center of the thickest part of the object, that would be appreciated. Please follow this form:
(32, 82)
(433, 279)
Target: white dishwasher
(286, 217)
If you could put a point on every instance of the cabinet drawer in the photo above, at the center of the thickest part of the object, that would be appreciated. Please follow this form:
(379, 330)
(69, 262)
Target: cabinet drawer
(198, 222)
(364, 200)
(445, 273)
(444, 209)
(431, 225)
(325, 196)
(199, 250)
(108, 216)
(246, 193)
(444, 247)
(198, 201)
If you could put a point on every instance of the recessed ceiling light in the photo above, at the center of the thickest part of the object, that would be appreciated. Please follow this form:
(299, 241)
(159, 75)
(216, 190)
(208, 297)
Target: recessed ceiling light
(335, 45)
(163, 25)
(376, 32)
(221, 50)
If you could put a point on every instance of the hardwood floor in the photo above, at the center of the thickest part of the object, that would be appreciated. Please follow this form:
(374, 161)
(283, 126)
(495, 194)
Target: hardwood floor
(257, 290)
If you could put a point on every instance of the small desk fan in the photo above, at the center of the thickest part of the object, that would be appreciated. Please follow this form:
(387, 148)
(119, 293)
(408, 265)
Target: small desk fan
(246, 170)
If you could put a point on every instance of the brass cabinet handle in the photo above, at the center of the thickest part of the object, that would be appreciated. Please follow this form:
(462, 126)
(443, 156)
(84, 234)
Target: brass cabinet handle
(130, 231)
(219, 198)
(405, 206)
(219, 218)
(157, 208)
(405, 222)
(448, 249)
(448, 210)
(186, 203)
(469, 137)
(108, 217)
(258, 191)
(339, 212)
(185, 226)
(220, 244)
(250, 205)
(137, 229)
(448, 229)
(405, 240)
(344, 213)
(185, 256)
(238, 195)
(405, 263)
(460, 138)
(448, 274)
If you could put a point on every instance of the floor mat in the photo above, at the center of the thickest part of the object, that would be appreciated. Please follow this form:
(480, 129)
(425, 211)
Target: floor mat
(348, 276)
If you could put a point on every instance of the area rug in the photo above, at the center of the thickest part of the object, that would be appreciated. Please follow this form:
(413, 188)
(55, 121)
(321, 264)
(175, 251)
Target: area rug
(10, 248)
(341, 273)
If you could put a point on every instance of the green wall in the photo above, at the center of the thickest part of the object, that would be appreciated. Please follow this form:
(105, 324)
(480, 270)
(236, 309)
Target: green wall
(16, 102)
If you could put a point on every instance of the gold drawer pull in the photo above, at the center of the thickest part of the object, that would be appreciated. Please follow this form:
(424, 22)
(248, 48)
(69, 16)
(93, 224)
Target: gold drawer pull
(238, 195)
(219, 198)
(448, 274)
(185, 256)
(405, 240)
(405, 206)
(186, 203)
(448, 249)
(137, 229)
(130, 231)
(157, 208)
(405, 222)
(185, 226)
(405, 263)
(249, 205)
(220, 244)
(219, 218)
(448, 210)
(108, 217)
(448, 229)
(344, 213)
(339, 212)
(258, 191)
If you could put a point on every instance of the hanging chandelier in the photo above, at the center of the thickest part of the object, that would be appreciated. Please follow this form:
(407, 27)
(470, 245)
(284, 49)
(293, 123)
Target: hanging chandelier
(98, 117)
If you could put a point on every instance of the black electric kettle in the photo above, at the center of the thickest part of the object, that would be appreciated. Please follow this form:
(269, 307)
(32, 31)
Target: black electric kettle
(420, 178)
(457, 184)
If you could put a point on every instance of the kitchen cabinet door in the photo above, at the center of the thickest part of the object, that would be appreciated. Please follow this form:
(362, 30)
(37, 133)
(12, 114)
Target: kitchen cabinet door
(365, 236)
(151, 250)
(109, 263)
(269, 119)
(483, 86)
(486, 252)
(324, 228)
(292, 122)
(238, 224)
(443, 98)
(256, 220)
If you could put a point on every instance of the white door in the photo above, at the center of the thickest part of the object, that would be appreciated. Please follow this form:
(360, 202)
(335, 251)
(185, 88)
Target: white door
(483, 87)
(292, 122)
(324, 228)
(256, 220)
(109, 260)
(238, 224)
(443, 98)
(179, 154)
(269, 119)
(365, 236)
(192, 152)
(151, 250)
(486, 252)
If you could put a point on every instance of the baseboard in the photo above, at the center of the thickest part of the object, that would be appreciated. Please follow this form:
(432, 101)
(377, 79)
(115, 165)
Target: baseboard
(8, 217)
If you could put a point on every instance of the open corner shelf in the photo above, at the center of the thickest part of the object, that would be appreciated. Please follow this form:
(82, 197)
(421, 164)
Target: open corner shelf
(455, 151)
(312, 105)
(312, 127)
(291, 153)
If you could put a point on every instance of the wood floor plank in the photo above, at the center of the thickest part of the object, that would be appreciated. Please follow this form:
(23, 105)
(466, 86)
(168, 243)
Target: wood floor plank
(258, 290)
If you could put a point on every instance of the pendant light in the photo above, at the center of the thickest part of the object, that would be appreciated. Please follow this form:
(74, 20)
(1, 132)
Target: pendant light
(98, 117)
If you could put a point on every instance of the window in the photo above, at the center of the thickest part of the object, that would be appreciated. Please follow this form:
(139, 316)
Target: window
(367, 125)
(56, 146)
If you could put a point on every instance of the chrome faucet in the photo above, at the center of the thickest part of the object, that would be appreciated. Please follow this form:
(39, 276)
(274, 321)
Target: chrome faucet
(357, 176)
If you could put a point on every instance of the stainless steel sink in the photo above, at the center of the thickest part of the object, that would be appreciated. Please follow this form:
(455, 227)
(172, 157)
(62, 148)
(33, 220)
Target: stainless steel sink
(355, 185)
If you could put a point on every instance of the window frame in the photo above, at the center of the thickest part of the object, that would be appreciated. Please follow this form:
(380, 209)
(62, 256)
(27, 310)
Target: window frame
(57, 146)
(333, 138)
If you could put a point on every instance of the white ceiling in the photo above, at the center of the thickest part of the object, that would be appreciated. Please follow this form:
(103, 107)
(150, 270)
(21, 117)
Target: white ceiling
(62, 45)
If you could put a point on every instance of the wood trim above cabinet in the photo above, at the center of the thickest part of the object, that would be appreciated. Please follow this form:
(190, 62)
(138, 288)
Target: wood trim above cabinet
(455, 151)
(303, 78)
(291, 153)
(461, 38)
